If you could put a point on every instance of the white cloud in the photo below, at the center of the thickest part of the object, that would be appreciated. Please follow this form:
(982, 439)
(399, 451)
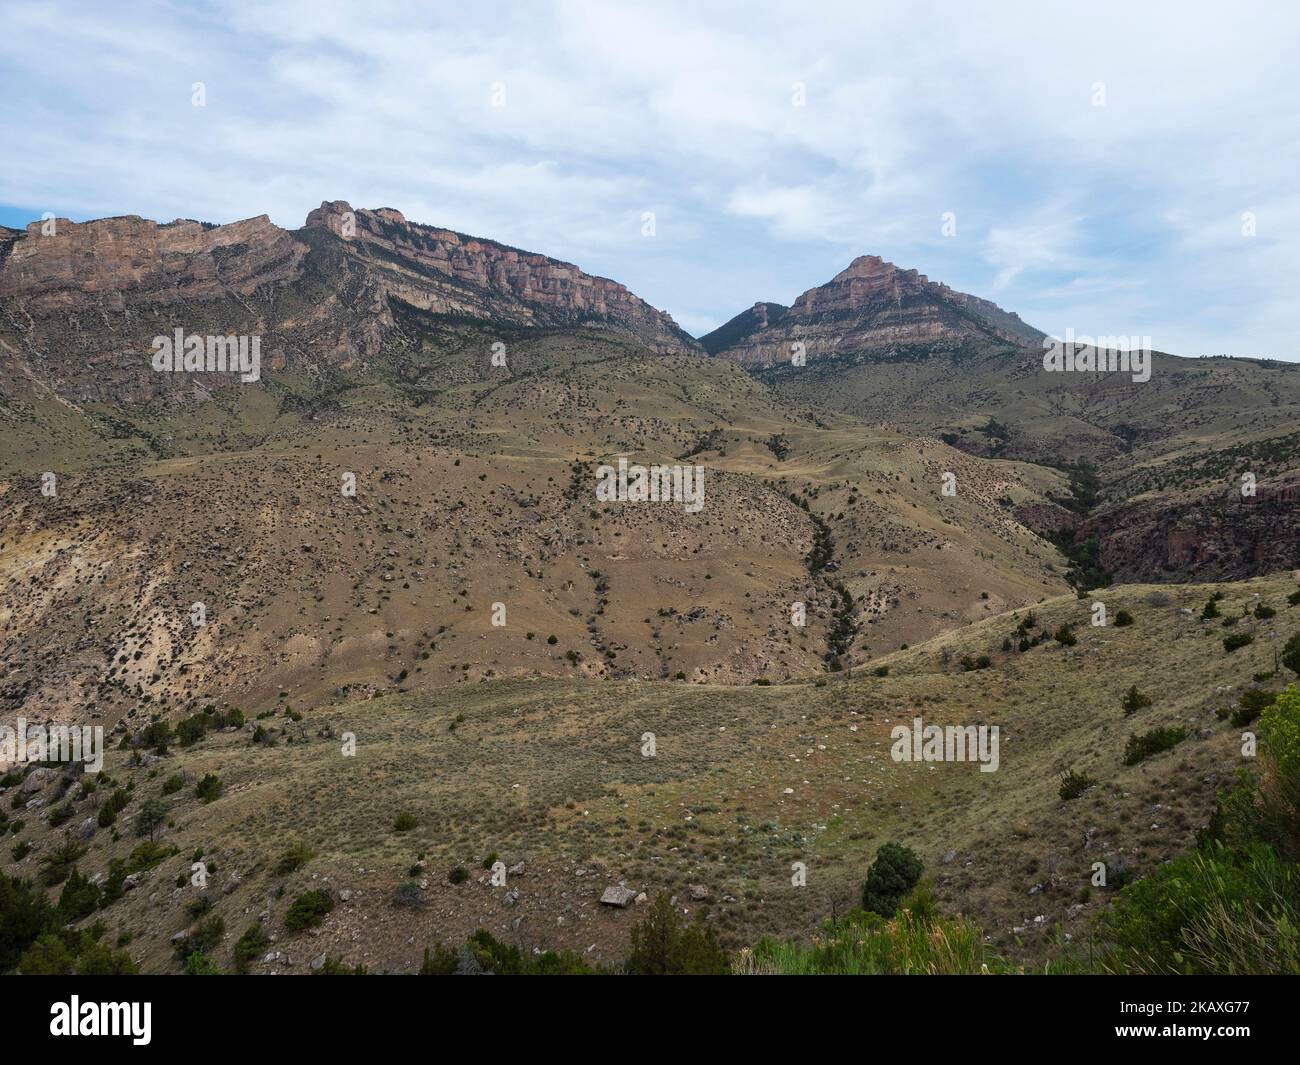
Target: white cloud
(686, 109)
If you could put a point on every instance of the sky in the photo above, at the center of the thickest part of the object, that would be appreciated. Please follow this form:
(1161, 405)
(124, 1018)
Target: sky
(1111, 168)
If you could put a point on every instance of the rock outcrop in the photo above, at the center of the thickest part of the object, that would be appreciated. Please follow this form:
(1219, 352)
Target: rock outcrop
(1216, 536)
(871, 305)
(80, 303)
(449, 273)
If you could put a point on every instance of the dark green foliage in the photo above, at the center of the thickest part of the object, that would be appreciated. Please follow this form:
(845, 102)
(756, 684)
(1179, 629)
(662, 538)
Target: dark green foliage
(1075, 784)
(252, 943)
(24, 914)
(823, 548)
(146, 856)
(152, 816)
(192, 729)
(404, 822)
(1123, 618)
(79, 898)
(1265, 807)
(205, 938)
(1237, 639)
(892, 875)
(1134, 701)
(1250, 704)
(196, 907)
(294, 859)
(58, 863)
(842, 630)
(1085, 572)
(209, 788)
(1291, 654)
(662, 944)
(308, 910)
(1210, 913)
(114, 887)
(98, 959)
(1144, 745)
(199, 964)
(441, 961)
(1264, 612)
(1065, 636)
(113, 806)
(156, 737)
(48, 956)
(505, 960)
(173, 784)
(1211, 609)
(458, 875)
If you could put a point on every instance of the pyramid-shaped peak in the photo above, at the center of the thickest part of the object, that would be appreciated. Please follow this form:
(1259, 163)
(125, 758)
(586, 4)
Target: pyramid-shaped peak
(871, 267)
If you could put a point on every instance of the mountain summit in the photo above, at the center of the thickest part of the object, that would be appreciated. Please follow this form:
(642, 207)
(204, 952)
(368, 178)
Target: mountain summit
(869, 305)
(82, 301)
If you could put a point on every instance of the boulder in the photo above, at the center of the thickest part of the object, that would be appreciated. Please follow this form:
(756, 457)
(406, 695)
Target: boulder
(618, 896)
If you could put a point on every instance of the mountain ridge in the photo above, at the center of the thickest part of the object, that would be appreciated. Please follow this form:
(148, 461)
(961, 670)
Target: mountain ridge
(870, 305)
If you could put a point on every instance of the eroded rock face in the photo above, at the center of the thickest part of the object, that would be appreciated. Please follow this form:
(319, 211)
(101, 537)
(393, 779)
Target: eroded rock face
(482, 278)
(118, 262)
(80, 305)
(870, 305)
(1218, 536)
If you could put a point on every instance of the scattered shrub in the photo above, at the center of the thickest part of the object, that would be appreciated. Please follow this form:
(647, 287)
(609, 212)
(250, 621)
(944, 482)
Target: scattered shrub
(294, 859)
(406, 896)
(1250, 704)
(252, 943)
(441, 961)
(892, 875)
(1143, 746)
(308, 910)
(1291, 654)
(1075, 784)
(1134, 701)
(205, 937)
(209, 788)
(662, 944)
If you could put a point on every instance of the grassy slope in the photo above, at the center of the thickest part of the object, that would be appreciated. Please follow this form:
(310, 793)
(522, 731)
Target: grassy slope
(551, 773)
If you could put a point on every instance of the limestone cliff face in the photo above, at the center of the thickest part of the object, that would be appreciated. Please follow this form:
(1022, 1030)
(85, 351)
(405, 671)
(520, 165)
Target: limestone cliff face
(872, 305)
(117, 262)
(79, 305)
(449, 273)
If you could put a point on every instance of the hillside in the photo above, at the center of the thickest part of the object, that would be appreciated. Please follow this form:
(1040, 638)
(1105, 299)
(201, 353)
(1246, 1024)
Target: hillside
(1163, 459)
(550, 777)
(481, 491)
